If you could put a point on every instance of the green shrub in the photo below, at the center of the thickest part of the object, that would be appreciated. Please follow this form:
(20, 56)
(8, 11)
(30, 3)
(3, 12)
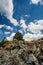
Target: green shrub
(41, 38)
(18, 36)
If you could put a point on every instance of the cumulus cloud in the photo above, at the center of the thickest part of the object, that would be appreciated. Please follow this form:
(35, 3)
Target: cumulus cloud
(35, 27)
(6, 9)
(29, 36)
(37, 1)
(11, 37)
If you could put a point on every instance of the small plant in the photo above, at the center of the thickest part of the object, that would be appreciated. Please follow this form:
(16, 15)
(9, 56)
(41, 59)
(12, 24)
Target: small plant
(18, 36)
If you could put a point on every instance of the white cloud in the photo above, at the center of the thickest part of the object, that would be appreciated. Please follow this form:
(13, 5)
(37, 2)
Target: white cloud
(29, 36)
(23, 24)
(8, 27)
(40, 22)
(35, 27)
(7, 33)
(37, 1)
(20, 31)
(27, 16)
(6, 9)
(11, 37)
(1, 26)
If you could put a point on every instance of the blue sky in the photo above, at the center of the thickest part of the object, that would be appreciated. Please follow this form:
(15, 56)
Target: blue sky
(25, 16)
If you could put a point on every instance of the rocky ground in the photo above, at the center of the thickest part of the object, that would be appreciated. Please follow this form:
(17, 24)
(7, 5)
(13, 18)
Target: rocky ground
(21, 53)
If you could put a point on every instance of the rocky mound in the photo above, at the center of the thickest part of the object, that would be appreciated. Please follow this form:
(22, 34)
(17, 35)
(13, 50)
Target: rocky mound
(21, 53)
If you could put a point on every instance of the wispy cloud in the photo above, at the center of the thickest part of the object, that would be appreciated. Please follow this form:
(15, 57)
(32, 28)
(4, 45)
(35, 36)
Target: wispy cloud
(6, 27)
(6, 33)
(6, 9)
(1, 26)
(23, 24)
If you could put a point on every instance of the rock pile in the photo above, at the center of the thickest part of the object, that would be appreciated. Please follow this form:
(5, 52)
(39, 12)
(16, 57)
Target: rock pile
(22, 53)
